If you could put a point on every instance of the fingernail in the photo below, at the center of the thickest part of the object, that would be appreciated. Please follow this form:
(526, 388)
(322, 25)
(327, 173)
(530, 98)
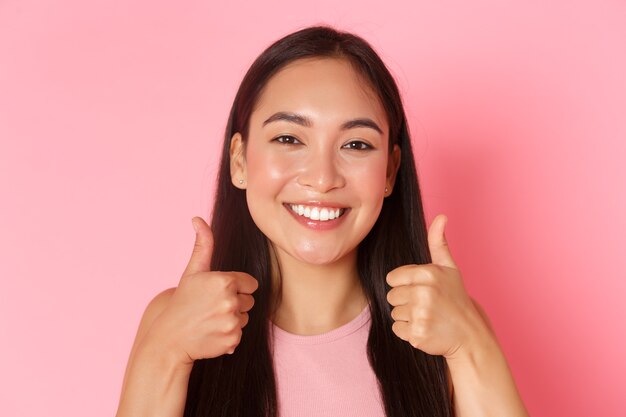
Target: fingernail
(195, 227)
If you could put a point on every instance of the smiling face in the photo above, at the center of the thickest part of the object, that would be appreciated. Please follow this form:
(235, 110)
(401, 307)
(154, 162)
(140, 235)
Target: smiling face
(317, 146)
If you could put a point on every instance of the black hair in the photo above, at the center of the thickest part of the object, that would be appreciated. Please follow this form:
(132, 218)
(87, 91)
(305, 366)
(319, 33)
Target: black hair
(411, 382)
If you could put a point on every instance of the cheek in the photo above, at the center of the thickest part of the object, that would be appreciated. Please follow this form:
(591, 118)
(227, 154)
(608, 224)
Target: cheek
(369, 180)
(263, 167)
(267, 175)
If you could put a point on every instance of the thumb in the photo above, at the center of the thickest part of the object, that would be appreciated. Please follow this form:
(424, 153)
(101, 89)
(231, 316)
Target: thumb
(437, 243)
(200, 260)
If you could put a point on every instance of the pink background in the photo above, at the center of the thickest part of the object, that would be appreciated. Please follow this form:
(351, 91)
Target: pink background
(111, 119)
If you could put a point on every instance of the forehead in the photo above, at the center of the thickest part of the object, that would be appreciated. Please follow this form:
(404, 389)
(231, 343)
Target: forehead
(325, 88)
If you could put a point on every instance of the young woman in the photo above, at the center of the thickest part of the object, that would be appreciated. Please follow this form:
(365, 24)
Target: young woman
(318, 290)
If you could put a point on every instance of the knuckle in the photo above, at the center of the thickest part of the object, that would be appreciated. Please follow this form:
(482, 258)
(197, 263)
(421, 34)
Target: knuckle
(430, 275)
(414, 341)
(233, 341)
(230, 324)
(438, 272)
(419, 329)
(426, 296)
(225, 281)
(429, 294)
(435, 291)
(229, 304)
(422, 314)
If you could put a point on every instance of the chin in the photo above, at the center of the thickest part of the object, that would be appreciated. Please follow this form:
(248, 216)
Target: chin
(317, 257)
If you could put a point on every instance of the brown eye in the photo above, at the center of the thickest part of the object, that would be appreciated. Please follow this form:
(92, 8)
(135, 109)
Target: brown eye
(286, 139)
(359, 145)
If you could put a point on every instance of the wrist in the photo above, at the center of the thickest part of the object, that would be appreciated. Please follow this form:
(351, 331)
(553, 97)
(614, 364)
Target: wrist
(156, 385)
(482, 380)
(480, 352)
(480, 343)
(162, 357)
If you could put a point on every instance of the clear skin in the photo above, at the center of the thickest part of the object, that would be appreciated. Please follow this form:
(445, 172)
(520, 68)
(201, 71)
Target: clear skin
(431, 309)
(320, 162)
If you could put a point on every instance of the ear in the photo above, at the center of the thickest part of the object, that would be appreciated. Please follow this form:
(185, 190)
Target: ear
(238, 161)
(393, 164)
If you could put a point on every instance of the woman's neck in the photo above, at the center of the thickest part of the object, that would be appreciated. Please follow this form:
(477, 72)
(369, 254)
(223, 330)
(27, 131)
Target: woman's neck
(316, 298)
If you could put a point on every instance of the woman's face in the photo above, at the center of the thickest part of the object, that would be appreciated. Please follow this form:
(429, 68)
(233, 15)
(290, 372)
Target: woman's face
(327, 150)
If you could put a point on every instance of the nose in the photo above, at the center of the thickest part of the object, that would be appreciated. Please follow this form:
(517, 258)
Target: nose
(320, 172)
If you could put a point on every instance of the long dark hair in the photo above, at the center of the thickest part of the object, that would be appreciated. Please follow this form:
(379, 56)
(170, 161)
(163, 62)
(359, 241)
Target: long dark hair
(412, 383)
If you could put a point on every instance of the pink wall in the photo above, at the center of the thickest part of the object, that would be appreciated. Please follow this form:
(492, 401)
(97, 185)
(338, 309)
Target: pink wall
(111, 115)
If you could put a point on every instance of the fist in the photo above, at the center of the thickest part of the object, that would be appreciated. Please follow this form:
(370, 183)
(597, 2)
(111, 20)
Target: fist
(431, 309)
(206, 313)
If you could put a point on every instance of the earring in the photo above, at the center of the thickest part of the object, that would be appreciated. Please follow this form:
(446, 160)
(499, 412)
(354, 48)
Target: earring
(385, 189)
(240, 181)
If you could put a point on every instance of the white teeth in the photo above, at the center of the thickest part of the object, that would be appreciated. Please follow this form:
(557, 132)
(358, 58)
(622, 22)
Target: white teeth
(315, 213)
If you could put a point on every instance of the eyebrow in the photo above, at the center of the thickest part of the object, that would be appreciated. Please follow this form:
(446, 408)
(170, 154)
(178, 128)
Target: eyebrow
(306, 122)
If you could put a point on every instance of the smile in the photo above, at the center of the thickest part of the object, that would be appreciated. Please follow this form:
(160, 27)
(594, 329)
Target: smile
(317, 213)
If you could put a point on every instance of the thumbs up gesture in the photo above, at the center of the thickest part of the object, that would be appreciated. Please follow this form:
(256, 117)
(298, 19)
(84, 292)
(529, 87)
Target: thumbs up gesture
(432, 311)
(206, 313)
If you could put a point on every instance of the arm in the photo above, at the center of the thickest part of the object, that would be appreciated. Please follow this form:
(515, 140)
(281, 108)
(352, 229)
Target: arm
(201, 318)
(434, 313)
(154, 384)
(483, 383)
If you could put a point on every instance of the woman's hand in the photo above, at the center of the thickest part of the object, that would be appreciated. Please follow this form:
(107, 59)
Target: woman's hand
(206, 313)
(433, 312)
